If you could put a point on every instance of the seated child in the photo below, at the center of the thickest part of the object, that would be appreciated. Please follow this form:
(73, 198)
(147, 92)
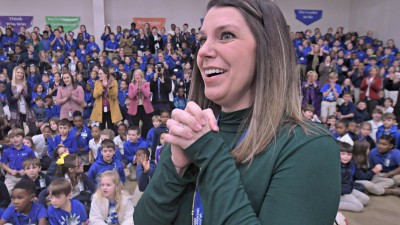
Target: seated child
(350, 199)
(27, 141)
(94, 143)
(160, 147)
(145, 168)
(308, 112)
(24, 210)
(83, 135)
(40, 142)
(32, 168)
(133, 143)
(165, 115)
(52, 109)
(111, 204)
(63, 209)
(106, 162)
(341, 130)
(40, 112)
(347, 109)
(376, 122)
(364, 135)
(70, 167)
(389, 157)
(361, 114)
(366, 175)
(120, 139)
(156, 119)
(65, 138)
(389, 127)
(108, 134)
(13, 158)
(352, 130)
(60, 152)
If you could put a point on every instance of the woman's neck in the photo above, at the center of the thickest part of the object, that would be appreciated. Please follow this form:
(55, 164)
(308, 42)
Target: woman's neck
(111, 199)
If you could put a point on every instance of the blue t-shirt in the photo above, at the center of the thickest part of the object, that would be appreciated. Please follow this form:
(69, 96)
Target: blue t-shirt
(330, 97)
(10, 215)
(389, 161)
(59, 216)
(112, 217)
(15, 158)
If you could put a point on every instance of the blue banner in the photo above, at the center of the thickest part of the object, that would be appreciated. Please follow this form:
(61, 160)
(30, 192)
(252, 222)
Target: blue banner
(16, 21)
(307, 16)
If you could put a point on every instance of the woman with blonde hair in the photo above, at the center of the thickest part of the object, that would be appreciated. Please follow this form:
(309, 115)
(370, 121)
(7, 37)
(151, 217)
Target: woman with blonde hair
(111, 204)
(266, 164)
(140, 107)
(19, 96)
(311, 91)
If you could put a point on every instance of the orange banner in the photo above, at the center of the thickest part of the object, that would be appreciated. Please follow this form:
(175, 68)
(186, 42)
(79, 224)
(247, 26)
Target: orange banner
(154, 22)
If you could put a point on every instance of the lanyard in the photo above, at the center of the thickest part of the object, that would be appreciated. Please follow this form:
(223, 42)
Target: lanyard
(197, 207)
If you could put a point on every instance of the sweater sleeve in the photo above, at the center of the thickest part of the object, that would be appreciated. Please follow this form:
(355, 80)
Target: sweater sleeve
(227, 202)
(163, 194)
(95, 215)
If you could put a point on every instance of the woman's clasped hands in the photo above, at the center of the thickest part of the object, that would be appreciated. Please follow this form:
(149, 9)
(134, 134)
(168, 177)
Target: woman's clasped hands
(186, 127)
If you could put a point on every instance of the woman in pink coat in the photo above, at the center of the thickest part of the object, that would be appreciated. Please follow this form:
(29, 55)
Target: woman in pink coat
(140, 107)
(70, 97)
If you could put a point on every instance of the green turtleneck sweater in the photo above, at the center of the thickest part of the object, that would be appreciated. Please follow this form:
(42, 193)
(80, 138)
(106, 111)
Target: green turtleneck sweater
(295, 181)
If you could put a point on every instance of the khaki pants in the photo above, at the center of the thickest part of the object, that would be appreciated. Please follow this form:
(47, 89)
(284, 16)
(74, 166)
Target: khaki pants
(328, 108)
(10, 182)
(377, 185)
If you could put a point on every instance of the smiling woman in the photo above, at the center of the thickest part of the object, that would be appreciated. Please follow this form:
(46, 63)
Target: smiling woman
(259, 162)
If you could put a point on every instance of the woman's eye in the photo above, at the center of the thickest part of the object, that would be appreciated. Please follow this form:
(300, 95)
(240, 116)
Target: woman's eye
(202, 41)
(227, 36)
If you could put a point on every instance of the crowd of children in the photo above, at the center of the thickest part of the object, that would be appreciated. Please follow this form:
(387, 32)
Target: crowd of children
(350, 85)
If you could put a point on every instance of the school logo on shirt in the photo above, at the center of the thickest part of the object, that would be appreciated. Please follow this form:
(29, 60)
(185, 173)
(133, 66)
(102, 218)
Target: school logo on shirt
(70, 220)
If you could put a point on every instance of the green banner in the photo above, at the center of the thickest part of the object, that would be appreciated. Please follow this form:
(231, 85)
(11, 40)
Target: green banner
(68, 22)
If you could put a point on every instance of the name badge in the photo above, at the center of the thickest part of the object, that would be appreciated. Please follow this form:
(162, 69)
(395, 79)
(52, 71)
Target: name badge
(81, 188)
(70, 113)
(84, 135)
(387, 162)
(301, 58)
(42, 183)
(105, 109)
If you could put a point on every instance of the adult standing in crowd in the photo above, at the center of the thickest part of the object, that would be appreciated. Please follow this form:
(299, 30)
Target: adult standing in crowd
(106, 109)
(208, 177)
(392, 83)
(325, 68)
(140, 107)
(19, 96)
(70, 97)
(370, 87)
(160, 86)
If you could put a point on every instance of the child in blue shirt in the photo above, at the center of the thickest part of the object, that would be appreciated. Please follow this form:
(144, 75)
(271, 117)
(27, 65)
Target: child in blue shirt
(13, 158)
(106, 162)
(180, 100)
(81, 52)
(87, 111)
(52, 110)
(330, 93)
(123, 98)
(64, 210)
(145, 168)
(156, 120)
(64, 138)
(388, 156)
(389, 128)
(83, 135)
(92, 46)
(24, 210)
(112, 44)
(133, 143)
(3, 96)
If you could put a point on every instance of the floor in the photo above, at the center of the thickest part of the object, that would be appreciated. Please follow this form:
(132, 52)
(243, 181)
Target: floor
(381, 210)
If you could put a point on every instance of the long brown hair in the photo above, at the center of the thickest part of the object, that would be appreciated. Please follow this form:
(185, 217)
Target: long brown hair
(360, 151)
(275, 77)
(70, 161)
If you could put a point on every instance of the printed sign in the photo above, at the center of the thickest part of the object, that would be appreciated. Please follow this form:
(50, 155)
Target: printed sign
(16, 21)
(307, 16)
(154, 22)
(68, 22)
